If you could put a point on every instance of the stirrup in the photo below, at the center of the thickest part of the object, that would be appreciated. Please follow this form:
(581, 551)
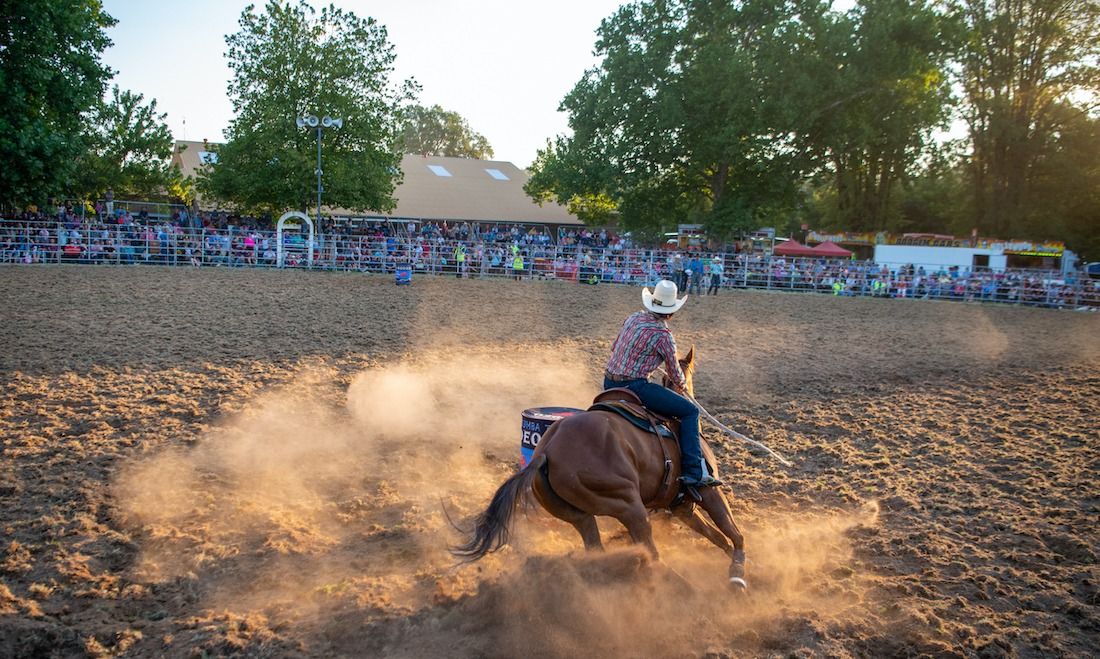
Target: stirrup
(706, 481)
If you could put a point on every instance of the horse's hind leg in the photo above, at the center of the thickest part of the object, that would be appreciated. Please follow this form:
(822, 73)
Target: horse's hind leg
(636, 520)
(582, 521)
(585, 523)
(589, 531)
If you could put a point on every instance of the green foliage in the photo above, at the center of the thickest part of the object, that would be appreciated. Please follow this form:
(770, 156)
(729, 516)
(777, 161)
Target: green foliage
(289, 61)
(875, 85)
(713, 112)
(51, 76)
(929, 204)
(1024, 60)
(682, 121)
(128, 149)
(1065, 184)
(436, 132)
(549, 174)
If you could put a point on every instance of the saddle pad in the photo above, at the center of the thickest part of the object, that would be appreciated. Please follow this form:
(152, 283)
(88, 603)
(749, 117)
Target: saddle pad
(628, 414)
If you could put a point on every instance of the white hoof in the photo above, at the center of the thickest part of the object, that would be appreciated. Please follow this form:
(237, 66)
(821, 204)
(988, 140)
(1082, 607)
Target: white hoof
(738, 581)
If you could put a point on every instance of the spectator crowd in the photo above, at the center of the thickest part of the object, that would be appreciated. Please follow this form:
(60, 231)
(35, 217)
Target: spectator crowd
(471, 249)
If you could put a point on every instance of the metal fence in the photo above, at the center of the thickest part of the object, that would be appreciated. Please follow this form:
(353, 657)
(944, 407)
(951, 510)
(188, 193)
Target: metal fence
(86, 242)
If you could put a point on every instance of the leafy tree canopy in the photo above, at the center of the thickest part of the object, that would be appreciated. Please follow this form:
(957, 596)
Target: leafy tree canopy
(1024, 60)
(1066, 183)
(128, 149)
(715, 112)
(437, 132)
(51, 76)
(874, 85)
(682, 121)
(289, 61)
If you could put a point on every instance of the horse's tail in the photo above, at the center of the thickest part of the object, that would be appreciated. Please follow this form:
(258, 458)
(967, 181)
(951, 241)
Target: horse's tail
(493, 526)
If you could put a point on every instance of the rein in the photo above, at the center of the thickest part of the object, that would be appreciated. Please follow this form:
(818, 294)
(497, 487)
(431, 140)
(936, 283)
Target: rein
(730, 431)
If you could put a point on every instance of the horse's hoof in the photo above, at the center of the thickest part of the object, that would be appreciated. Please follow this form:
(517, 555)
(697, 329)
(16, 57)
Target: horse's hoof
(738, 584)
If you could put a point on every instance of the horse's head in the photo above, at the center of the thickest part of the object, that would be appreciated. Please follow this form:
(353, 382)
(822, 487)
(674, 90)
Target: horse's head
(687, 365)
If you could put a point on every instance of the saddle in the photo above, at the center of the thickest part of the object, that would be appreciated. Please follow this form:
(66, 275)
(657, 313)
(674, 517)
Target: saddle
(626, 404)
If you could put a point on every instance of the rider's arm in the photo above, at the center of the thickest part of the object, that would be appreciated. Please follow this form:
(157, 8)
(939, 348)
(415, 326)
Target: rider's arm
(666, 346)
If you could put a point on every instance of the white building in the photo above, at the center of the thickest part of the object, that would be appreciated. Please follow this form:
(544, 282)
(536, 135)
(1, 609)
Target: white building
(934, 258)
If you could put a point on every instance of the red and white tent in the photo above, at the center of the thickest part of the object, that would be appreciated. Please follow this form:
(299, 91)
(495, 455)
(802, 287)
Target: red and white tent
(793, 248)
(831, 250)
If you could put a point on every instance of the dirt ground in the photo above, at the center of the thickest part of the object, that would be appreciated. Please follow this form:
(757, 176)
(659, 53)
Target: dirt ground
(235, 462)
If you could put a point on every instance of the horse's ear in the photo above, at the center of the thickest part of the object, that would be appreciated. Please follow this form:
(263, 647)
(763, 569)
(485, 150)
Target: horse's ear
(690, 356)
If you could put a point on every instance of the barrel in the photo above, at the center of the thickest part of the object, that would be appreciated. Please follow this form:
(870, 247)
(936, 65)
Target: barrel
(536, 421)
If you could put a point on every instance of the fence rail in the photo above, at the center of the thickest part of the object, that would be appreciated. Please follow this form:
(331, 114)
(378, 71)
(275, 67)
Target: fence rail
(165, 244)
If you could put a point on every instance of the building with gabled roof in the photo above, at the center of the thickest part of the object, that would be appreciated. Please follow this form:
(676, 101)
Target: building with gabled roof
(436, 189)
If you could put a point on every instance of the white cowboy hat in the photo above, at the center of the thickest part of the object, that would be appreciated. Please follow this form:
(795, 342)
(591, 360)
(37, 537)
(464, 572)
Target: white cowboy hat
(663, 298)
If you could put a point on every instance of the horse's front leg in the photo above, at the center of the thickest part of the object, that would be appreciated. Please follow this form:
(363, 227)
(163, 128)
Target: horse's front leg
(690, 514)
(714, 502)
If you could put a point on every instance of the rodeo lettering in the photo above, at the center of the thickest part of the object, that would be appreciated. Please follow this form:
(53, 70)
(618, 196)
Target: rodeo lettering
(532, 434)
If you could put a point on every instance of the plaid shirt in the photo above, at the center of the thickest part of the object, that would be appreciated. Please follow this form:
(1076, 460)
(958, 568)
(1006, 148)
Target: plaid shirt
(643, 344)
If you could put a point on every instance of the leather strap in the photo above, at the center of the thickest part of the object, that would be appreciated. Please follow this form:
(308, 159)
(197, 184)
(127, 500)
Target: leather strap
(666, 492)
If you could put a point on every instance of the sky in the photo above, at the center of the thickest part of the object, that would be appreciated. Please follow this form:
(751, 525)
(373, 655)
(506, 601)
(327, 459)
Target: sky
(503, 65)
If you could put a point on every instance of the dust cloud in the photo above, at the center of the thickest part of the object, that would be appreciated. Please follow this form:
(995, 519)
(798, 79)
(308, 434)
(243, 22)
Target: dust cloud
(474, 398)
(272, 503)
(316, 500)
(621, 603)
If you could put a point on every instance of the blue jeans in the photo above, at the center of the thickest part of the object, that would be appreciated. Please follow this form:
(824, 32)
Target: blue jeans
(669, 403)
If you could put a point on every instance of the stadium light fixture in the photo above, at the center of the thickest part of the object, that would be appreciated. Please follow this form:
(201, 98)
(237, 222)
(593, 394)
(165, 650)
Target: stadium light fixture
(311, 121)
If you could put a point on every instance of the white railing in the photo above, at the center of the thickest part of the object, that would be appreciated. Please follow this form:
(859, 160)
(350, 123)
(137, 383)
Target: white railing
(24, 242)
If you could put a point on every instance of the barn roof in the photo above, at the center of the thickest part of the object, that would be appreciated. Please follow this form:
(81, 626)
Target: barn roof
(440, 188)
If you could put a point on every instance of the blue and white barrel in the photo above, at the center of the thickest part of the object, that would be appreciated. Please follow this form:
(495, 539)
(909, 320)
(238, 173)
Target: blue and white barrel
(536, 421)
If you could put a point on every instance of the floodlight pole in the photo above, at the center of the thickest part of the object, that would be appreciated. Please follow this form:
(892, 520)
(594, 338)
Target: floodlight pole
(319, 129)
(319, 125)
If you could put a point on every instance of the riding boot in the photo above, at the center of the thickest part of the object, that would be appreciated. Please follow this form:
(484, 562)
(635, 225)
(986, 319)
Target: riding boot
(694, 466)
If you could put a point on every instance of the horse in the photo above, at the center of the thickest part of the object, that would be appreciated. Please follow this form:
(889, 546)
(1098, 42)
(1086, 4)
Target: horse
(597, 463)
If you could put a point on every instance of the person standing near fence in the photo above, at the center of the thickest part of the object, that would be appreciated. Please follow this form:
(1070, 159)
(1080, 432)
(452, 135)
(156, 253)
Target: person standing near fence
(695, 278)
(716, 271)
(678, 271)
(460, 259)
(517, 266)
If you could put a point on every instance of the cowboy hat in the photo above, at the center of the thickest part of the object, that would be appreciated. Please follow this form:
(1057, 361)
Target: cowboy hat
(663, 298)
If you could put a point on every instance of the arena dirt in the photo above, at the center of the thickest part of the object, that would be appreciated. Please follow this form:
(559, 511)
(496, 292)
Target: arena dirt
(258, 463)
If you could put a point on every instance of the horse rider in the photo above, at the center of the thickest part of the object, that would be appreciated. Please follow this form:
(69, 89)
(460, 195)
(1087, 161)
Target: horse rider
(643, 344)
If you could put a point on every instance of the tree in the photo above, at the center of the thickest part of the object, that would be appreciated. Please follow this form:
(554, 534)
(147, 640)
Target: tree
(1024, 59)
(683, 121)
(290, 61)
(128, 149)
(877, 90)
(1065, 184)
(436, 132)
(51, 76)
(933, 200)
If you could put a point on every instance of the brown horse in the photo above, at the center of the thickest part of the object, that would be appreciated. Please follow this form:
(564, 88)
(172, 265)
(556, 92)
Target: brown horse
(598, 463)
